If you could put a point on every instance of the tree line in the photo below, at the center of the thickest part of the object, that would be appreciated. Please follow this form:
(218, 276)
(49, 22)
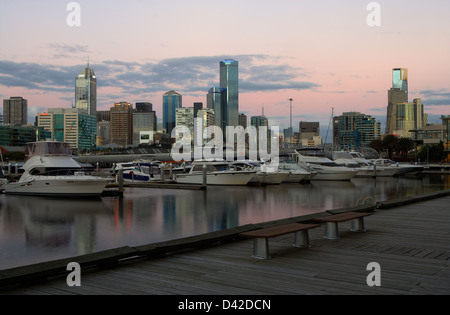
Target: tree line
(401, 147)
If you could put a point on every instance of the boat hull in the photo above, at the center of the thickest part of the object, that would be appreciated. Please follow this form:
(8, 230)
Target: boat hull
(380, 172)
(221, 178)
(295, 178)
(269, 178)
(58, 187)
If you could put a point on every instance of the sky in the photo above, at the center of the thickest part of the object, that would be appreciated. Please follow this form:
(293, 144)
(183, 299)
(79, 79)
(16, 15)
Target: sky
(327, 55)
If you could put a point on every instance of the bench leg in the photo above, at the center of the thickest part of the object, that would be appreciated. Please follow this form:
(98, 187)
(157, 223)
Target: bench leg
(301, 239)
(261, 248)
(358, 225)
(331, 231)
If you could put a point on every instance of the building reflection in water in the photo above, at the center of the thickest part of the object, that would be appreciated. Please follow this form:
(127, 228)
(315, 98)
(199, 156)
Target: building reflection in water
(34, 229)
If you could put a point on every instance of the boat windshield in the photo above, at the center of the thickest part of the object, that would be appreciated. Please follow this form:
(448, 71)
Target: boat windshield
(48, 148)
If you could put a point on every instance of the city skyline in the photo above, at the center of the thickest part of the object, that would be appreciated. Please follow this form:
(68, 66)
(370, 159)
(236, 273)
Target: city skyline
(321, 54)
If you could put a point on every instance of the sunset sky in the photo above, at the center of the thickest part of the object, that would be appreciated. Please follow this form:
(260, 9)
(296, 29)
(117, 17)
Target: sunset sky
(321, 53)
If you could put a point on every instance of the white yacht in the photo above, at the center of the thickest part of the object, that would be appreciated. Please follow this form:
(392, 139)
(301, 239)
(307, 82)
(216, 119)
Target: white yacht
(314, 160)
(401, 169)
(265, 175)
(50, 170)
(365, 167)
(217, 173)
(296, 172)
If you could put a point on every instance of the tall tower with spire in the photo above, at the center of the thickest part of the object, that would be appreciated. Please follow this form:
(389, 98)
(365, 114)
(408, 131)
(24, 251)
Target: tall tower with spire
(86, 91)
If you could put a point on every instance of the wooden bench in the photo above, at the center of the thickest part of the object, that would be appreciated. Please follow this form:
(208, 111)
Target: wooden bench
(261, 236)
(331, 227)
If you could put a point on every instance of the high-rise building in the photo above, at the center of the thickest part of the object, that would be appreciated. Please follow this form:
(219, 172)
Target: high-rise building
(15, 111)
(171, 101)
(243, 120)
(185, 117)
(403, 116)
(216, 101)
(143, 121)
(395, 96)
(400, 79)
(70, 125)
(204, 119)
(229, 80)
(357, 129)
(122, 124)
(197, 106)
(86, 91)
(309, 133)
(144, 107)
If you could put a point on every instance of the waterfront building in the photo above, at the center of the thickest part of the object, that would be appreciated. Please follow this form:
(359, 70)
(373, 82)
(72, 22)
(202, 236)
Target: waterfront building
(122, 124)
(229, 80)
(15, 111)
(309, 133)
(216, 100)
(171, 101)
(357, 129)
(70, 125)
(408, 117)
(86, 91)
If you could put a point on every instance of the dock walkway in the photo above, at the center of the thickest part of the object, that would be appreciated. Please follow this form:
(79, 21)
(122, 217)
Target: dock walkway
(411, 244)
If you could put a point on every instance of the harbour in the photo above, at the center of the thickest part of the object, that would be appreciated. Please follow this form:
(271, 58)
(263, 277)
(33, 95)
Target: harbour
(38, 229)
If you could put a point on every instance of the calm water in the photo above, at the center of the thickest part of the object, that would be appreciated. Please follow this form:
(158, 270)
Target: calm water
(36, 229)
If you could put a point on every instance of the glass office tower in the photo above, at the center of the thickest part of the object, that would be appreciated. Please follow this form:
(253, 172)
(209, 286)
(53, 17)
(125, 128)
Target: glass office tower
(215, 100)
(400, 79)
(171, 101)
(229, 80)
(86, 91)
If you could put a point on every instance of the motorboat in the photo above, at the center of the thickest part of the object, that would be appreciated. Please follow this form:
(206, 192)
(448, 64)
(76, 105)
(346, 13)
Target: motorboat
(134, 172)
(217, 173)
(314, 160)
(50, 170)
(401, 168)
(297, 173)
(366, 168)
(265, 174)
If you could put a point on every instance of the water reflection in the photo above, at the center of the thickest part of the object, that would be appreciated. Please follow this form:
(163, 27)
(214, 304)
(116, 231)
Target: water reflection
(34, 229)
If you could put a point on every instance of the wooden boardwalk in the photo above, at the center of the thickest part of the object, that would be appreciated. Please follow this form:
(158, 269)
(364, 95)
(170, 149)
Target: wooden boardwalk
(411, 243)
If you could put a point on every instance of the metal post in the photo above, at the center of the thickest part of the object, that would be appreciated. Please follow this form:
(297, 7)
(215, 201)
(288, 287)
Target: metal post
(204, 176)
(163, 179)
(120, 178)
(171, 172)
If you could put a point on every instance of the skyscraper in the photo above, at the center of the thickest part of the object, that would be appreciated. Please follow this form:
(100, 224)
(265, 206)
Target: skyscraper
(229, 80)
(86, 91)
(122, 124)
(15, 111)
(215, 100)
(402, 116)
(400, 79)
(357, 129)
(171, 101)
